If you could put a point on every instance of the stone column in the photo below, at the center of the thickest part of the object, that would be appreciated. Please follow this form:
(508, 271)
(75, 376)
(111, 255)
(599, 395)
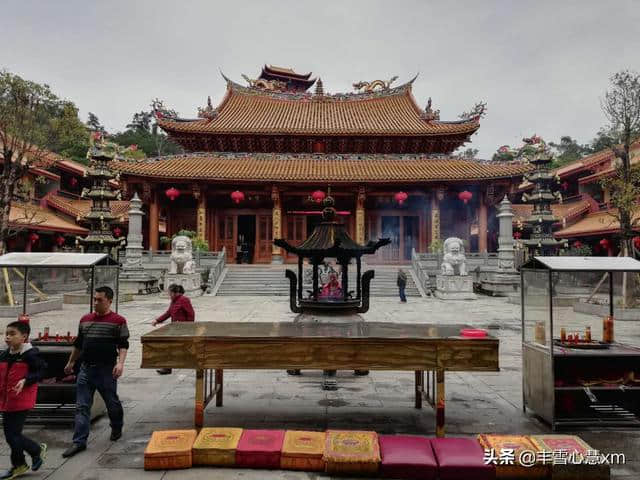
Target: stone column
(435, 215)
(482, 223)
(154, 225)
(505, 239)
(360, 216)
(134, 237)
(276, 225)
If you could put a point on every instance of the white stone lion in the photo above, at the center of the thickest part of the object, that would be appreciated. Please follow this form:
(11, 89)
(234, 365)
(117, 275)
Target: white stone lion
(182, 255)
(454, 262)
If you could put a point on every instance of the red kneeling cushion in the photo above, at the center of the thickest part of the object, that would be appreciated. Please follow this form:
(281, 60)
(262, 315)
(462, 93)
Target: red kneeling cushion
(404, 456)
(461, 459)
(259, 449)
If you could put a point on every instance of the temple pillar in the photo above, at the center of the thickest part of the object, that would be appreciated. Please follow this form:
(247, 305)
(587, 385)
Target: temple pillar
(435, 215)
(201, 216)
(276, 225)
(482, 224)
(154, 225)
(360, 216)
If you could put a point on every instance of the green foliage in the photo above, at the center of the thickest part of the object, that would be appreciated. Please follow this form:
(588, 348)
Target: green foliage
(94, 124)
(436, 246)
(578, 251)
(198, 244)
(143, 131)
(504, 154)
(567, 151)
(69, 135)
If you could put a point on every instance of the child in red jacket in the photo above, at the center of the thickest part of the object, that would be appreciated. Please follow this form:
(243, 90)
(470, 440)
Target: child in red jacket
(20, 369)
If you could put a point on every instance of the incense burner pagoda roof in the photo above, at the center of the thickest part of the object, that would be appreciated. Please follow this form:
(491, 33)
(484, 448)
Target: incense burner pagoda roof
(313, 168)
(255, 111)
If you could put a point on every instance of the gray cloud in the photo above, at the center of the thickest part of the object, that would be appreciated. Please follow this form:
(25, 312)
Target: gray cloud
(540, 66)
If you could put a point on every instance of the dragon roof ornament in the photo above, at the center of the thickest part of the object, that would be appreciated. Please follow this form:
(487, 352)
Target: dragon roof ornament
(368, 87)
(478, 111)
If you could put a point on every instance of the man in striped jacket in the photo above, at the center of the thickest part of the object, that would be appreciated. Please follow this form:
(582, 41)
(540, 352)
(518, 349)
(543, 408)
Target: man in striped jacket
(101, 344)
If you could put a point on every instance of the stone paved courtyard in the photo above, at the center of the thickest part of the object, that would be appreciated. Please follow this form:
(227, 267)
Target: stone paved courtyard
(382, 401)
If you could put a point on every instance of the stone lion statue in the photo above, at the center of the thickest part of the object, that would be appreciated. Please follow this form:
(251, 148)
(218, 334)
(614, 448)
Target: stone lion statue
(454, 261)
(182, 255)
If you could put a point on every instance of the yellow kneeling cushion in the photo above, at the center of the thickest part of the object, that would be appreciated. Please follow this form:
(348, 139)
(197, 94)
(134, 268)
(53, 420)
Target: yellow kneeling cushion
(216, 446)
(303, 450)
(169, 449)
(351, 452)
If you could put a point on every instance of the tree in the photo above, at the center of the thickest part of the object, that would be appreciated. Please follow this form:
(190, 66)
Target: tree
(504, 154)
(94, 124)
(567, 151)
(27, 110)
(69, 136)
(621, 106)
(470, 153)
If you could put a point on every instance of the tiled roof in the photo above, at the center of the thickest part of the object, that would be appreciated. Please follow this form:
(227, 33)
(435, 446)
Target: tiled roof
(79, 207)
(251, 111)
(598, 223)
(561, 211)
(35, 217)
(317, 168)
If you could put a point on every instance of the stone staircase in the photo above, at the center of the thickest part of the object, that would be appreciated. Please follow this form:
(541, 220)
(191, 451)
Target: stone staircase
(269, 280)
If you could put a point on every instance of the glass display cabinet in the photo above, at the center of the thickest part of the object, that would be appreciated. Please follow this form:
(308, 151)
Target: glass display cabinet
(575, 370)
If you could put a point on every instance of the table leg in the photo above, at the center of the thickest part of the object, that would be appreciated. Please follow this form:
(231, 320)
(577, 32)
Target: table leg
(218, 387)
(199, 406)
(419, 387)
(440, 402)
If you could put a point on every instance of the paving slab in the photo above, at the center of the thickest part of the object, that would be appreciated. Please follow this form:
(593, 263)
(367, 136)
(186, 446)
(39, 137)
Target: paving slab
(382, 401)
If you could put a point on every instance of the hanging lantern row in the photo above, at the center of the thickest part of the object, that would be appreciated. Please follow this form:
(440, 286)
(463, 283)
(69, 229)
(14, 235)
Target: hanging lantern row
(318, 196)
(60, 240)
(401, 197)
(172, 193)
(237, 196)
(465, 196)
(117, 231)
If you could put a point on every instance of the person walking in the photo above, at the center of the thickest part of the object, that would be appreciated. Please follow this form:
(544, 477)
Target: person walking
(101, 344)
(180, 310)
(402, 284)
(20, 370)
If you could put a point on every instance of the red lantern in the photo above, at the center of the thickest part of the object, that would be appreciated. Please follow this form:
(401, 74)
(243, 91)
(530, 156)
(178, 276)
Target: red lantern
(34, 237)
(636, 242)
(60, 240)
(117, 231)
(401, 197)
(604, 243)
(517, 235)
(24, 318)
(465, 196)
(237, 196)
(172, 193)
(73, 181)
(318, 196)
(577, 244)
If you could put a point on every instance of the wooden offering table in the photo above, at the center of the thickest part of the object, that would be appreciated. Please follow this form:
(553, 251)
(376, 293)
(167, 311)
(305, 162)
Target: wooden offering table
(215, 346)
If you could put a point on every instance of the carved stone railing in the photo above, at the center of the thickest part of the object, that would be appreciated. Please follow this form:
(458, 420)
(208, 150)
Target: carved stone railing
(216, 270)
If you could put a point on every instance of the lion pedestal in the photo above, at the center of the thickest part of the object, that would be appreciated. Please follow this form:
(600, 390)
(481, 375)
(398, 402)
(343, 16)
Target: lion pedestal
(182, 269)
(453, 282)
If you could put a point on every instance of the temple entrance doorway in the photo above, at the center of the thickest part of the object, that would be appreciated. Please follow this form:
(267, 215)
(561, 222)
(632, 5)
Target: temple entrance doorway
(390, 227)
(246, 238)
(410, 235)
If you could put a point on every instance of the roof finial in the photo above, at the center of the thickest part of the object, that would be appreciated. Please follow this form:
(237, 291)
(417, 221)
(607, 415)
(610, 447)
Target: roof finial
(319, 88)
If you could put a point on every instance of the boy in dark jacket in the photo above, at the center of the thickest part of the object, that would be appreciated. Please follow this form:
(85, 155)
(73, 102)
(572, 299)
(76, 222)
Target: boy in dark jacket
(20, 370)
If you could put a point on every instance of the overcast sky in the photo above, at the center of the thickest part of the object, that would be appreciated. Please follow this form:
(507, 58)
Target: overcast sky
(540, 66)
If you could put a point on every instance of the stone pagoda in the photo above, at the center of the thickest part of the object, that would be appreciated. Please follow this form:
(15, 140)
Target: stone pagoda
(544, 193)
(102, 191)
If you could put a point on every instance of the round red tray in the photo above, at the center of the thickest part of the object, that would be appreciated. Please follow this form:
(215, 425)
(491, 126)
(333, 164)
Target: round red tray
(473, 333)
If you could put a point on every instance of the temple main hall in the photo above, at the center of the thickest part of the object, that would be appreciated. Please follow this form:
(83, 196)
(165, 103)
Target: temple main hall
(259, 164)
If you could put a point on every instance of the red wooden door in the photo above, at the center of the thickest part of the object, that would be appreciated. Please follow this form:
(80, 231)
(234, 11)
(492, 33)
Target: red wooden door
(264, 238)
(228, 231)
(296, 231)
